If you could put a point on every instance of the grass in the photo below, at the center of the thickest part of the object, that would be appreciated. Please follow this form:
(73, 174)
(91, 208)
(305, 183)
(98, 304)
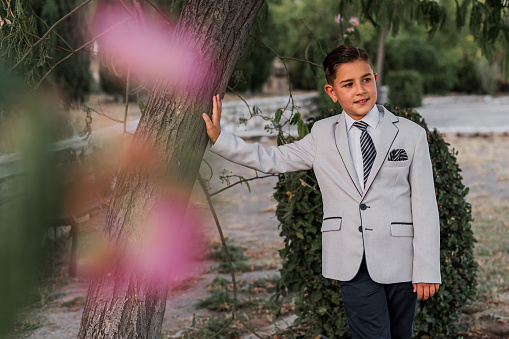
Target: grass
(243, 260)
(221, 299)
(26, 326)
(207, 327)
(74, 302)
(485, 161)
(216, 251)
(264, 285)
(491, 228)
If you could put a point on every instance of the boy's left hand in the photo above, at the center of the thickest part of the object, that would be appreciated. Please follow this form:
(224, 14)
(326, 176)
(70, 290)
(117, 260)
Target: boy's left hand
(425, 290)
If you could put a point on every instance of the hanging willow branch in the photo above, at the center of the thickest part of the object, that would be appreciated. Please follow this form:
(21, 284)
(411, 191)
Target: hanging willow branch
(77, 50)
(48, 32)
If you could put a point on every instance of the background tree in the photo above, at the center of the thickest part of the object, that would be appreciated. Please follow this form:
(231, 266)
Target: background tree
(389, 16)
(488, 22)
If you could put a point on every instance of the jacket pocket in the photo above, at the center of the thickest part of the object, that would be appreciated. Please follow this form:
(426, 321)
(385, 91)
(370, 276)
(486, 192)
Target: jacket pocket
(403, 163)
(402, 229)
(331, 224)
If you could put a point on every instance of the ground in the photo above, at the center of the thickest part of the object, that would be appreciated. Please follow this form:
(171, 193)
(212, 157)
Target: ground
(248, 220)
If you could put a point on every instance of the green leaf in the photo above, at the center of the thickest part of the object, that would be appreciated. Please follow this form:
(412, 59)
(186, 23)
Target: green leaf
(296, 118)
(277, 117)
(302, 129)
(245, 182)
(280, 138)
(321, 310)
(299, 235)
(316, 296)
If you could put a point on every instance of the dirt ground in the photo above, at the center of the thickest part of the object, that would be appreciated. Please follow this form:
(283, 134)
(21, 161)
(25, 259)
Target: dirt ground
(248, 220)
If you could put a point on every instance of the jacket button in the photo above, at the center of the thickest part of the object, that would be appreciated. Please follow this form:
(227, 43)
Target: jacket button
(363, 207)
(360, 229)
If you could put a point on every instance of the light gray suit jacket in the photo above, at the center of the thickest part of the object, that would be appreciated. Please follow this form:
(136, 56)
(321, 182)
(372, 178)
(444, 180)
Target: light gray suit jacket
(395, 221)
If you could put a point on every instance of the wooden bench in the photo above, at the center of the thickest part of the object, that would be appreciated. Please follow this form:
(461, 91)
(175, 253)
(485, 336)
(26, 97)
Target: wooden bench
(80, 194)
(75, 191)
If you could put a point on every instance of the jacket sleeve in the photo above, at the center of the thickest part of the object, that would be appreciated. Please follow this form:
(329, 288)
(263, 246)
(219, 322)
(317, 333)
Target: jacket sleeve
(296, 156)
(426, 265)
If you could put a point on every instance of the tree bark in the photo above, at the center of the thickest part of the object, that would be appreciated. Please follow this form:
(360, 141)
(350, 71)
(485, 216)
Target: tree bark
(380, 60)
(124, 304)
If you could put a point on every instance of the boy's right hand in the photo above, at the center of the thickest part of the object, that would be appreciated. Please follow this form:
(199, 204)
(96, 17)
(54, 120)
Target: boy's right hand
(214, 126)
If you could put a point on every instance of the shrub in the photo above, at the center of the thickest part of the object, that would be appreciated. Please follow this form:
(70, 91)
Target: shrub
(437, 66)
(405, 88)
(318, 299)
(468, 78)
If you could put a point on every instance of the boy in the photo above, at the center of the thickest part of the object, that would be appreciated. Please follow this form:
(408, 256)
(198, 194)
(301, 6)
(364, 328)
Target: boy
(380, 231)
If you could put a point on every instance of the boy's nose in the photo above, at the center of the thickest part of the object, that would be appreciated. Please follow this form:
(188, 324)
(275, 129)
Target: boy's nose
(360, 89)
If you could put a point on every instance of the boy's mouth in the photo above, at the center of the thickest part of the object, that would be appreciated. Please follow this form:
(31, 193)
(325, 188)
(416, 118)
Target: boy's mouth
(362, 102)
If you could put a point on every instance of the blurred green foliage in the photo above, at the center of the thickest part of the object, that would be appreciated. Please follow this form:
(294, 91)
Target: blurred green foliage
(29, 177)
(405, 88)
(255, 62)
(457, 46)
(426, 36)
(26, 204)
(448, 62)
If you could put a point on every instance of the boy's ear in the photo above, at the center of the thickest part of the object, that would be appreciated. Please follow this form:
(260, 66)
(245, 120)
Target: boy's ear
(376, 76)
(330, 91)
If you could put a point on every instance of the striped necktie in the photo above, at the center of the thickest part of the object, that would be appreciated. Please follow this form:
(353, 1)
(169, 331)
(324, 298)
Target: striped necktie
(367, 148)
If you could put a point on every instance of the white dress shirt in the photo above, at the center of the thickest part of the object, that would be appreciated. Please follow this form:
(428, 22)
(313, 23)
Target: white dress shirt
(373, 119)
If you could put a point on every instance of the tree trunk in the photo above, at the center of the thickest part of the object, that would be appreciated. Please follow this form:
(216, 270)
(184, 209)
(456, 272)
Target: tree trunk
(124, 304)
(380, 61)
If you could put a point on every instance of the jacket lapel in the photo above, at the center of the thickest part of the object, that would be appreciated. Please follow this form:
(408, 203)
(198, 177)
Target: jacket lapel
(387, 136)
(344, 151)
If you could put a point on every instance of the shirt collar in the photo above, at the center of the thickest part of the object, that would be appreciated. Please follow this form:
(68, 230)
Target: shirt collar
(372, 118)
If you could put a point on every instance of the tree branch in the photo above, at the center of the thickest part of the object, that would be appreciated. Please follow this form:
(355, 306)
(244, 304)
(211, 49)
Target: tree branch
(126, 99)
(125, 6)
(160, 12)
(250, 329)
(286, 69)
(223, 242)
(77, 50)
(104, 114)
(57, 46)
(241, 98)
(210, 167)
(49, 31)
(302, 60)
(242, 181)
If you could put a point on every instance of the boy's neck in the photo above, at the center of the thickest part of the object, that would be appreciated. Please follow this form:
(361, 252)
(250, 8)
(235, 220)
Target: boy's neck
(357, 118)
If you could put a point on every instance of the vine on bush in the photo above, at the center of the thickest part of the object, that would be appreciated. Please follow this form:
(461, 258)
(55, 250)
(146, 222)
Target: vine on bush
(319, 301)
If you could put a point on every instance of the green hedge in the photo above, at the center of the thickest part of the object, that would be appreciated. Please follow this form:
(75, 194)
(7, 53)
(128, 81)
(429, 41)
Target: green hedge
(405, 88)
(318, 300)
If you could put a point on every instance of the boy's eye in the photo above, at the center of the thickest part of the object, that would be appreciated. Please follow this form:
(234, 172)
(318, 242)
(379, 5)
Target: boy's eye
(348, 84)
(367, 79)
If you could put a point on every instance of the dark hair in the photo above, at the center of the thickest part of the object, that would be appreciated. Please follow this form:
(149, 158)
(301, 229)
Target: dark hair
(341, 55)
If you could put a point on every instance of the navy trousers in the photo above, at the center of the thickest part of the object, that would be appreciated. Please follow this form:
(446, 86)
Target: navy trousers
(378, 311)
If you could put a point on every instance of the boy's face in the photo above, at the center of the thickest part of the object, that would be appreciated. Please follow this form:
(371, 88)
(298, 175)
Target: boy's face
(354, 88)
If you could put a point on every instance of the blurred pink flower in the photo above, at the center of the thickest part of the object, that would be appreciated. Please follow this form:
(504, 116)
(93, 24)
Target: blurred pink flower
(354, 21)
(337, 18)
(173, 243)
(151, 49)
(350, 29)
